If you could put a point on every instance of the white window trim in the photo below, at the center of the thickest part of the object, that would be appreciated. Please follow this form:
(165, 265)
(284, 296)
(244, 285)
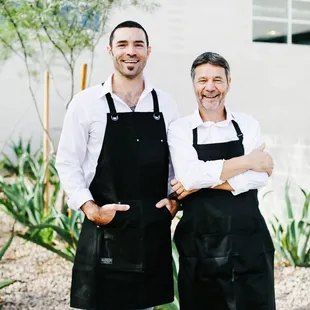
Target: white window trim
(289, 20)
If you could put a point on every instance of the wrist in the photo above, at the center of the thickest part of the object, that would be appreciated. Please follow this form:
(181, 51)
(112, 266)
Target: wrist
(90, 209)
(247, 162)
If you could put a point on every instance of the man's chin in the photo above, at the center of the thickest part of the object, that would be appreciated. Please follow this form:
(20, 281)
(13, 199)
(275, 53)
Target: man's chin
(211, 106)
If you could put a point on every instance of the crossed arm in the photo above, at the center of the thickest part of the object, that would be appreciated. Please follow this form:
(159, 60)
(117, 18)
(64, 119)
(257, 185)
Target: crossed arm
(237, 175)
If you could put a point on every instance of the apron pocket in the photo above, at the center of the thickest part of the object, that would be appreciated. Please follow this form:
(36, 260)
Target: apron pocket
(121, 248)
(213, 256)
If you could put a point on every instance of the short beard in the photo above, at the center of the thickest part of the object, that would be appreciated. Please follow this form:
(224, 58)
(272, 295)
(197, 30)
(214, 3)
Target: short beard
(220, 102)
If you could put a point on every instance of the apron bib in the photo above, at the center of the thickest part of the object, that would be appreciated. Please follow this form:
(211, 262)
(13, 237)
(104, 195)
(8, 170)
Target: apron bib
(226, 252)
(127, 264)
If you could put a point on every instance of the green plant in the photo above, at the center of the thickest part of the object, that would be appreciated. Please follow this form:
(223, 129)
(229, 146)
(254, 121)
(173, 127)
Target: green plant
(23, 199)
(24, 159)
(291, 236)
(2, 252)
(10, 167)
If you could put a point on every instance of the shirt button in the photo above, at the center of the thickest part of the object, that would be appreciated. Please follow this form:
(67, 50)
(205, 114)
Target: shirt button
(98, 226)
(138, 140)
(161, 140)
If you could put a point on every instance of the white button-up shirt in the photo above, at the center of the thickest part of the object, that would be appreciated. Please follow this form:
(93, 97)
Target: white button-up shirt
(194, 173)
(83, 132)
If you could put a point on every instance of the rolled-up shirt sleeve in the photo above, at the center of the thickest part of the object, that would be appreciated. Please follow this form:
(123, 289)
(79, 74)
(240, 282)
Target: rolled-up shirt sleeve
(249, 179)
(189, 170)
(71, 154)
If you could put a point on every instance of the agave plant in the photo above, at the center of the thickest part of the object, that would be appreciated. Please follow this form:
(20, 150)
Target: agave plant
(23, 199)
(11, 167)
(291, 236)
(24, 158)
(2, 252)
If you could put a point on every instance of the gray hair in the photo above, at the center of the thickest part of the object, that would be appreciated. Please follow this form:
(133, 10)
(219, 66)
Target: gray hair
(212, 59)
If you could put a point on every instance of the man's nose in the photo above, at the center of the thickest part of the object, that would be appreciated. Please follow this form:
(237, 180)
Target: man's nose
(131, 50)
(210, 86)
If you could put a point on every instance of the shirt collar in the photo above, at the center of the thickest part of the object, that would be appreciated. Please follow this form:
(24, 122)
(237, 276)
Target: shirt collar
(107, 87)
(196, 120)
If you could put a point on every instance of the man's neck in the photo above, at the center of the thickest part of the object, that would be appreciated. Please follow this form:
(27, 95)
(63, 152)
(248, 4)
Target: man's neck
(215, 116)
(125, 87)
(129, 90)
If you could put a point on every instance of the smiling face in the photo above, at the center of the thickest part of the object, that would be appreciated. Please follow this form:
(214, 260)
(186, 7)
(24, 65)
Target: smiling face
(129, 51)
(211, 86)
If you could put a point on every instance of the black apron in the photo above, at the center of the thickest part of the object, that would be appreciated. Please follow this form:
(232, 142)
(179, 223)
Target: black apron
(226, 252)
(127, 264)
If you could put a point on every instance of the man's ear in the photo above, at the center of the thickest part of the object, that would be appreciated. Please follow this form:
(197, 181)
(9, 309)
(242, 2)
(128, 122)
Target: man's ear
(109, 49)
(149, 50)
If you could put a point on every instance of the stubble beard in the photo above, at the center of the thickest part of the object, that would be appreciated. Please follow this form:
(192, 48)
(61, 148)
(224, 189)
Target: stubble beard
(120, 68)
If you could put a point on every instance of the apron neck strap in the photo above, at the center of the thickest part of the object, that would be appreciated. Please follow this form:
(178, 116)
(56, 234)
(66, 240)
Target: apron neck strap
(155, 102)
(238, 130)
(110, 101)
(195, 136)
(236, 126)
(113, 112)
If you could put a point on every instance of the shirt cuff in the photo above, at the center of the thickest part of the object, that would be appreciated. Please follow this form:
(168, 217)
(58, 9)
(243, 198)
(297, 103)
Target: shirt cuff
(79, 198)
(239, 183)
(217, 167)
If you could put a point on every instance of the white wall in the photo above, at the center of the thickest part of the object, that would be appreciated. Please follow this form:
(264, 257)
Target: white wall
(270, 81)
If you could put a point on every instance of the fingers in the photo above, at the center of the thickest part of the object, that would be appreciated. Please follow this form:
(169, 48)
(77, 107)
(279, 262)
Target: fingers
(178, 188)
(116, 207)
(183, 195)
(174, 182)
(262, 147)
(162, 203)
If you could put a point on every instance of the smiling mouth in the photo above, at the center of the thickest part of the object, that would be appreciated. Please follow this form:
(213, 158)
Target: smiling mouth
(130, 61)
(211, 97)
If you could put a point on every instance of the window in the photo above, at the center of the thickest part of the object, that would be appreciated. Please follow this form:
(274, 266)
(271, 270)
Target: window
(281, 21)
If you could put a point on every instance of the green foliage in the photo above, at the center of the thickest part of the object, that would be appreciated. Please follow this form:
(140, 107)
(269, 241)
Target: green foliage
(70, 26)
(6, 245)
(23, 199)
(43, 29)
(2, 252)
(291, 236)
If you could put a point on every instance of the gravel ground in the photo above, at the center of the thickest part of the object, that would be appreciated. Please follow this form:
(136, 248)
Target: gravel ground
(43, 278)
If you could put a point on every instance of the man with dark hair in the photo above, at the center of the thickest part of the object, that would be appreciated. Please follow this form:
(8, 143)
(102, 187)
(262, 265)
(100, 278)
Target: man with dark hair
(226, 252)
(129, 24)
(113, 161)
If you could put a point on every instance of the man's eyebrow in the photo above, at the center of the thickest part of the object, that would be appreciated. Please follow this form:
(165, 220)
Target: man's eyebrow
(218, 77)
(125, 41)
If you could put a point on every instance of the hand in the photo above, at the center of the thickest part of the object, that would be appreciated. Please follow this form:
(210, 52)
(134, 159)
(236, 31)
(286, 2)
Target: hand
(261, 161)
(171, 204)
(102, 215)
(179, 189)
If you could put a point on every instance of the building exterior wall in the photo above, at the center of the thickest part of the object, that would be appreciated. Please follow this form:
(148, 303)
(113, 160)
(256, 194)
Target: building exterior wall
(269, 81)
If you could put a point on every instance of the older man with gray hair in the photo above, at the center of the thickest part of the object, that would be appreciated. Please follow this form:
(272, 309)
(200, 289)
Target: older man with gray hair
(226, 253)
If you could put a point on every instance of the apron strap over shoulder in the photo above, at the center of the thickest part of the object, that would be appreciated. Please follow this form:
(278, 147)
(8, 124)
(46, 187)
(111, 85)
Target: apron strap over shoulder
(238, 130)
(113, 112)
(195, 138)
(156, 105)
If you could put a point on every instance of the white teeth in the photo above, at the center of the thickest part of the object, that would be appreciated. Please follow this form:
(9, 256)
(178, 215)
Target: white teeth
(130, 62)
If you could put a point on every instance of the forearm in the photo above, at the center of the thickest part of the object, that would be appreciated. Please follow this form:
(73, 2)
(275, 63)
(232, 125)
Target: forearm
(225, 186)
(235, 166)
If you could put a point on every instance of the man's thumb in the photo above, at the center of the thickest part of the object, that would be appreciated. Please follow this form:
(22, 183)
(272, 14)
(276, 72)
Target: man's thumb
(262, 147)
